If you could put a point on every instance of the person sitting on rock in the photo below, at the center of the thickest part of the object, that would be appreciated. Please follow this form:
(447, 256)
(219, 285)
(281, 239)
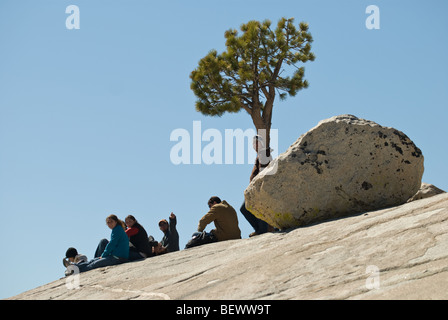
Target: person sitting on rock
(113, 252)
(170, 240)
(139, 244)
(72, 257)
(226, 222)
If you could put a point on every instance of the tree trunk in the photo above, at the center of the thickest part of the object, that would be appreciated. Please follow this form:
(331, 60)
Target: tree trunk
(267, 117)
(263, 129)
(262, 118)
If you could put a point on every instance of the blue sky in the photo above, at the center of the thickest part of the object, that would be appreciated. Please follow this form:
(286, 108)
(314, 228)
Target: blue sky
(86, 115)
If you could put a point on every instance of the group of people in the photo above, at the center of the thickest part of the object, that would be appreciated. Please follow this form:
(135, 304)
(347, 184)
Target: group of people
(130, 242)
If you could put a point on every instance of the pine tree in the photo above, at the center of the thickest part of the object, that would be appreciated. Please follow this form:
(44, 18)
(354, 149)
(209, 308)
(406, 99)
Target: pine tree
(250, 73)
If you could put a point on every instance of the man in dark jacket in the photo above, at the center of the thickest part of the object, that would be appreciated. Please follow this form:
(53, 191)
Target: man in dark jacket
(261, 162)
(170, 240)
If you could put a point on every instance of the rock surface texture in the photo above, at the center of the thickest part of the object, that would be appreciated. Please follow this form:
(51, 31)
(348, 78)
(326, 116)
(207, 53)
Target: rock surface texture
(426, 190)
(395, 253)
(343, 166)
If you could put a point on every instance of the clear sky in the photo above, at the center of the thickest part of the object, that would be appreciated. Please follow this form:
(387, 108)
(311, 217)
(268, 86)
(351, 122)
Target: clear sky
(86, 114)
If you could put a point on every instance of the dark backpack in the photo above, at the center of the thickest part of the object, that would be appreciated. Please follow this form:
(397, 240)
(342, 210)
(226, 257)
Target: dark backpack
(200, 239)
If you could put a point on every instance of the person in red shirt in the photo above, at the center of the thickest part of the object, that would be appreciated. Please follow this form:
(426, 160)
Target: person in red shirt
(141, 246)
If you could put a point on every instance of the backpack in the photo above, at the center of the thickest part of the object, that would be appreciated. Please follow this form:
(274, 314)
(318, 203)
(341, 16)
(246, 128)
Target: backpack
(200, 239)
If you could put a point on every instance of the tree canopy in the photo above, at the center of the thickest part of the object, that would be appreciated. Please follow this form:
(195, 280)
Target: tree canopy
(250, 72)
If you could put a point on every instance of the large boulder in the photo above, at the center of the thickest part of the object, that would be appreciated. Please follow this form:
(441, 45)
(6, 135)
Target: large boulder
(343, 166)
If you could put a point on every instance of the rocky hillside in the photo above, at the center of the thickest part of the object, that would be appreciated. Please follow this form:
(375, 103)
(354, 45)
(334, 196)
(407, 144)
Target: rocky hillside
(395, 253)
